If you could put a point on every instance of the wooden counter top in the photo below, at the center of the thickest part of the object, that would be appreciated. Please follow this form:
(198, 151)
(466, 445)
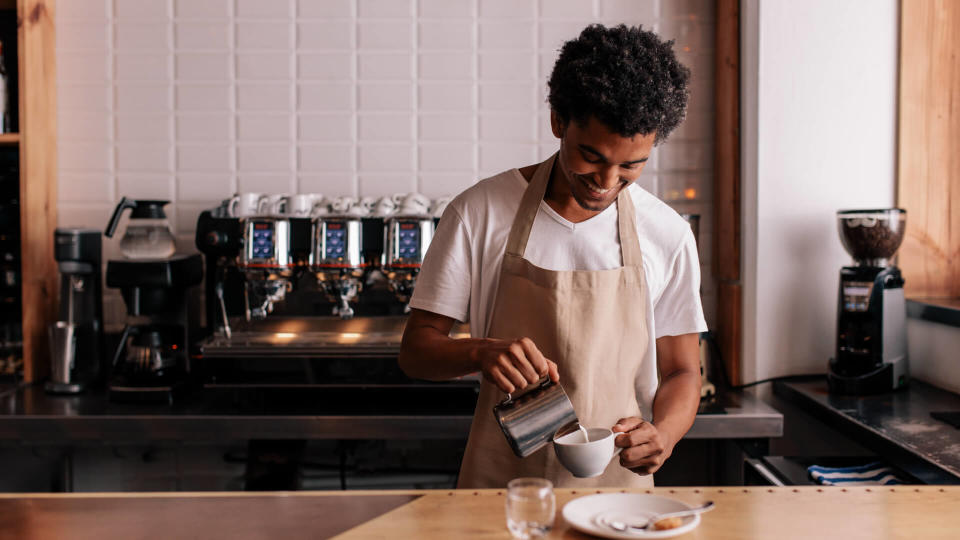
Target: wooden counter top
(741, 513)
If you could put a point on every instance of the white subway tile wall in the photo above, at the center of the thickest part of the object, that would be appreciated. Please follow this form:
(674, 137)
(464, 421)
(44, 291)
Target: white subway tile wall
(193, 100)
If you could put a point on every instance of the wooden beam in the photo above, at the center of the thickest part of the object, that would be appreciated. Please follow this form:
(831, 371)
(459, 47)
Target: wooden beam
(928, 155)
(726, 194)
(726, 187)
(730, 329)
(38, 178)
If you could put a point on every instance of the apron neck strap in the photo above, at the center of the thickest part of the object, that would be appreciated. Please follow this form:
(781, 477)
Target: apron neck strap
(629, 240)
(530, 206)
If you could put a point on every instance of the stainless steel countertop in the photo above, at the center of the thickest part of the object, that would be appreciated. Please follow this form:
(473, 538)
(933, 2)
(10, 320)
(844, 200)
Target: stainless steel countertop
(746, 417)
(31, 415)
(896, 425)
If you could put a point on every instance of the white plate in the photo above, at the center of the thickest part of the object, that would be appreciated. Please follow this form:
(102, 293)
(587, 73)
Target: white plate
(586, 514)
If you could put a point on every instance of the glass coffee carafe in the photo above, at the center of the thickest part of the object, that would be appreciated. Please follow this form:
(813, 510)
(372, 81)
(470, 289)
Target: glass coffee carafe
(148, 234)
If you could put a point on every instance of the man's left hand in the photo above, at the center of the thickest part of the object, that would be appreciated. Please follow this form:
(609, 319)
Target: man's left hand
(645, 448)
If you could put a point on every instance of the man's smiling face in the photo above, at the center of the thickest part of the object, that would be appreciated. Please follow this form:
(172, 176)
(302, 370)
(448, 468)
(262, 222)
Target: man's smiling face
(597, 163)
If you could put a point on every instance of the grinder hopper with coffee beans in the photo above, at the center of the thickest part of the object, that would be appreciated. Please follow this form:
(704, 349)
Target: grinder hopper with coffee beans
(871, 355)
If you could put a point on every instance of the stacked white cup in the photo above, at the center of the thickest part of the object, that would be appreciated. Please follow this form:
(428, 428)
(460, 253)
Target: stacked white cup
(311, 205)
(414, 204)
(246, 205)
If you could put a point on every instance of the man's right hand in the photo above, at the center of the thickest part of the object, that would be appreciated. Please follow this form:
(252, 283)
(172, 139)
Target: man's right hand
(428, 352)
(511, 365)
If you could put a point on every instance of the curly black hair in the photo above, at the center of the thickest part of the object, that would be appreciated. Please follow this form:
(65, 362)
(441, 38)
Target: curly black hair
(625, 77)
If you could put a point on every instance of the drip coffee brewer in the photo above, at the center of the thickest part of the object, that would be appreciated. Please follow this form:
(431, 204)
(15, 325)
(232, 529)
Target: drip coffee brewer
(76, 338)
(151, 361)
(871, 353)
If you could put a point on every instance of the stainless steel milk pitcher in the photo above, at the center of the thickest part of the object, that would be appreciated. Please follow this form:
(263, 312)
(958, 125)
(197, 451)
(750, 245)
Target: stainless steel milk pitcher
(532, 417)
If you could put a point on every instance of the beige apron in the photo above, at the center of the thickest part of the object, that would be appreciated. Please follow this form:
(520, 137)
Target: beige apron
(591, 323)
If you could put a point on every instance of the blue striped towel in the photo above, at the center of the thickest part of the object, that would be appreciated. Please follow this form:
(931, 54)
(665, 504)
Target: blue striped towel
(871, 474)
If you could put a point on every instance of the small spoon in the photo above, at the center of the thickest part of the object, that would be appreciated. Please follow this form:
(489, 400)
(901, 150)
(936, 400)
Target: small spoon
(623, 527)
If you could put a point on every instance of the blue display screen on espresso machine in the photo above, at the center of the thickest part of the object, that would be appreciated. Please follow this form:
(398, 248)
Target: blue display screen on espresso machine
(336, 240)
(262, 247)
(408, 241)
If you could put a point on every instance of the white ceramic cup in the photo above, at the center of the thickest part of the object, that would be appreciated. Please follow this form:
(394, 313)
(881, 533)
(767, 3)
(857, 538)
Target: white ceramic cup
(385, 207)
(301, 205)
(321, 207)
(586, 459)
(358, 209)
(341, 205)
(415, 204)
(369, 203)
(246, 204)
(276, 204)
(398, 198)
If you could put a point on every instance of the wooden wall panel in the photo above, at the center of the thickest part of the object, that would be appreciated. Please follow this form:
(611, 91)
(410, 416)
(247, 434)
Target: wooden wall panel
(38, 178)
(929, 146)
(726, 187)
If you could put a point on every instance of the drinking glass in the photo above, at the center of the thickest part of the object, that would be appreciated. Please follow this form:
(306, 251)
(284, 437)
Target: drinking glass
(530, 506)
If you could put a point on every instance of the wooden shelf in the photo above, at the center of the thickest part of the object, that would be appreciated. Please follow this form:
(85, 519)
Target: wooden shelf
(9, 138)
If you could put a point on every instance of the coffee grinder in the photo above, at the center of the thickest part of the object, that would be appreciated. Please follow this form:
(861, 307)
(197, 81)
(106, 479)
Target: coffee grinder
(76, 338)
(151, 361)
(871, 354)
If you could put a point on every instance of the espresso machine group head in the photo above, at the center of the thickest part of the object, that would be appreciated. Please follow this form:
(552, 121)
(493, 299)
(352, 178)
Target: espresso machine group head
(272, 249)
(408, 238)
(345, 248)
(871, 353)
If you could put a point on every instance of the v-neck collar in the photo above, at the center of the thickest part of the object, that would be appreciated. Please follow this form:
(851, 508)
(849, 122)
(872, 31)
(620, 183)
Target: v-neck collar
(553, 214)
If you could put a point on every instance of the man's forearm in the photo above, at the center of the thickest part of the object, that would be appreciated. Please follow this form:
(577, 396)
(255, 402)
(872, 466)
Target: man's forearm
(426, 353)
(675, 405)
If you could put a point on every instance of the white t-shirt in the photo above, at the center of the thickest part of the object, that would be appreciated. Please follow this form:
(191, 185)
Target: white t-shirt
(461, 270)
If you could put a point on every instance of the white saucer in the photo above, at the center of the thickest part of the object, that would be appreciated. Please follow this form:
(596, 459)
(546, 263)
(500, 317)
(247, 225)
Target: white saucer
(586, 514)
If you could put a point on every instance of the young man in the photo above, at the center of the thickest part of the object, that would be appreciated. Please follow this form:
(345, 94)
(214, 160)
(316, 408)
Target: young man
(567, 269)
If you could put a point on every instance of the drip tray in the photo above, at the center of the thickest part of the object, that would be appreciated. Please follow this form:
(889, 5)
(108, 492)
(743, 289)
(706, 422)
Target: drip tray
(309, 337)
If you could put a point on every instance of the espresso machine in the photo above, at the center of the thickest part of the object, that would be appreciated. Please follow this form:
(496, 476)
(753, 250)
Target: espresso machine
(338, 285)
(871, 350)
(76, 338)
